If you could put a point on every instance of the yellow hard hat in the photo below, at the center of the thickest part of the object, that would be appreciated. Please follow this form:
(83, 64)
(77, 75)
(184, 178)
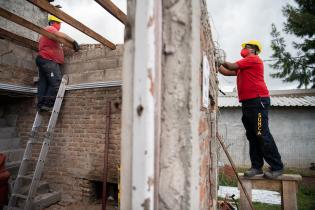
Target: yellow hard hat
(253, 42)
(53, 18)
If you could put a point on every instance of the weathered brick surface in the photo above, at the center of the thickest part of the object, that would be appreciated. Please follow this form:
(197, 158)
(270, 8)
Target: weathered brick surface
(94, 63)
(207, 123)
(77, 151)
(76, 156)
(27, 11)
(17, 64)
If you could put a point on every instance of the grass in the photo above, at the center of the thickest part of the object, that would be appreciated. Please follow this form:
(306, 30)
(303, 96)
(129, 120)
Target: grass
(305, 196)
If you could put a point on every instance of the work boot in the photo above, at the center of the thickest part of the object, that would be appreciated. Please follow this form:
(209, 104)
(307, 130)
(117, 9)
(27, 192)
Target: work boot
(273, 174)
(45, 108)
(253, 172)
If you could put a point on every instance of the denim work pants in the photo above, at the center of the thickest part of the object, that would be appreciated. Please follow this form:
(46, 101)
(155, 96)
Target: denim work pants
(261, 143)
(49, 81)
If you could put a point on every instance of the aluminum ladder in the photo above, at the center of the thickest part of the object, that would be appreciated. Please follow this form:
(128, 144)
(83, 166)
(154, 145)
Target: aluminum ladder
(35, 175)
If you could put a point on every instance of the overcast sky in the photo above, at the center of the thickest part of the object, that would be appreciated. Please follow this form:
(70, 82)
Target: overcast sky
(233, 23)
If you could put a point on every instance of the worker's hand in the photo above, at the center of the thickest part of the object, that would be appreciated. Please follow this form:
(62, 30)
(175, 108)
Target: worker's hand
(76, 46)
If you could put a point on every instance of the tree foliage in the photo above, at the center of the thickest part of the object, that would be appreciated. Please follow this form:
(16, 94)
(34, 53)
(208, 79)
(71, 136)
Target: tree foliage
(301, 23)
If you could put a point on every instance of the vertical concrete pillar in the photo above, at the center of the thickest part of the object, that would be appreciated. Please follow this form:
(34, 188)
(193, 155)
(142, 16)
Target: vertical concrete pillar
(181, 90)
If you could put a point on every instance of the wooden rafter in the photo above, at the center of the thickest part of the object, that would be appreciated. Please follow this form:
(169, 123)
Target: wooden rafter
(110, 7)
(25, 42)
(21, 21)
(44, 4)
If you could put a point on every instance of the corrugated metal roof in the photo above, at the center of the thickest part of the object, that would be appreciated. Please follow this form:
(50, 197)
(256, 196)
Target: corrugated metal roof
(284, 101)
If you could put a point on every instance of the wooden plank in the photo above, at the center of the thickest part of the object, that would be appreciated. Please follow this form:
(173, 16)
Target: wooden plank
(288, 199)
(266, 184)
(21, 21)
(110, 7)
(25, 42)
(244, 203)
(284, 177)
(43, 4)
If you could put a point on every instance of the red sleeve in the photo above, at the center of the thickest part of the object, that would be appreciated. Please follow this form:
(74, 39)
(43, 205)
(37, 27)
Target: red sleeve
(244, 63)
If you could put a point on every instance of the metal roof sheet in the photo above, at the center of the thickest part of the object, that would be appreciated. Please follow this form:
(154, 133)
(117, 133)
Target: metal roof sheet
(285, 101)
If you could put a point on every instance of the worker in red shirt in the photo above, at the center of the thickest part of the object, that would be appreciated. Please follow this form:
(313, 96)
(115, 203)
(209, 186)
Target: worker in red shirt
(254, 96)
(48, 61)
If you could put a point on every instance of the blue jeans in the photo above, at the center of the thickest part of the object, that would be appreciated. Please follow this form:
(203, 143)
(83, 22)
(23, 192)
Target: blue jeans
(49, 81)
(261, 143)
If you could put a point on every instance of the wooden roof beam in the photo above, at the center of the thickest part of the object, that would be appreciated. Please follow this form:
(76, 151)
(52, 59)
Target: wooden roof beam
(21, 21)
(110, 7)
(44, 5)
(25, 42)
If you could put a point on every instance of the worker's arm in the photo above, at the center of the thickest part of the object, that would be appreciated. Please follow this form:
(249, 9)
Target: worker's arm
(63, 35)
(231, 66)
(76, 46)
(226, 72)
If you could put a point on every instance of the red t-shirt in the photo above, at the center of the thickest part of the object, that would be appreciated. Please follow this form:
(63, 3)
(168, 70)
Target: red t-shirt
(250, 78)
(50, 49)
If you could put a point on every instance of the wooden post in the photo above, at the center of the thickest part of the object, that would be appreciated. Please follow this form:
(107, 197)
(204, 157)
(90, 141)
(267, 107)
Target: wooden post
(244, 203)
(288, 196)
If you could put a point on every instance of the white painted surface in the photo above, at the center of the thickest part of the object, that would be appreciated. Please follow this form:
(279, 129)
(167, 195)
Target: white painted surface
(143, 108)
(205, 81)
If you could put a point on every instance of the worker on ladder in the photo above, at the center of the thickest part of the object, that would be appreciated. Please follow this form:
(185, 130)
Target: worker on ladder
(48, 61)
(254, 96)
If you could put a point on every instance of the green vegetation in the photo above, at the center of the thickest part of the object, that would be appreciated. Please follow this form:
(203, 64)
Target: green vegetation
(300, 67)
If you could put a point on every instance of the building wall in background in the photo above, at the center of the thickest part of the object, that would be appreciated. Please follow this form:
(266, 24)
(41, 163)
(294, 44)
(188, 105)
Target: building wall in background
(27, 11)
(17, 64)
(291, 127)
(76, 158)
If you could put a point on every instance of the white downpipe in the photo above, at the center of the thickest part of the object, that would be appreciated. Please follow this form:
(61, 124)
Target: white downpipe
(143, 107)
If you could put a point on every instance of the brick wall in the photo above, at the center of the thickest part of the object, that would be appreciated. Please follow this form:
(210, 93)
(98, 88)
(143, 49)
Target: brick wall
(76, 155)
(94, 63)
(207, 123)
(17, 64)
(27, 11)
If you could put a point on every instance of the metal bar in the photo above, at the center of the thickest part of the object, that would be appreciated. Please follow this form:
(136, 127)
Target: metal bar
(25, 89)
(110, 7)
(44, 4)
(107, 129)
(25, 42)
(27, 24)
(234, 169)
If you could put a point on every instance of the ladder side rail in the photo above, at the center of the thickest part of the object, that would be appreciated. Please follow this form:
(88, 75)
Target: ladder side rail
(27, 155)
(45, 146)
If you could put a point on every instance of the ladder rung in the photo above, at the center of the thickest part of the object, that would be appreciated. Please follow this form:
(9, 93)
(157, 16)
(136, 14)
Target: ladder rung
(20, 196)
(34, 142)
(29, 176)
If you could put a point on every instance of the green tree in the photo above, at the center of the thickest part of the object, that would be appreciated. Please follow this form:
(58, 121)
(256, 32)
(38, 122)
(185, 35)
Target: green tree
(301, 23)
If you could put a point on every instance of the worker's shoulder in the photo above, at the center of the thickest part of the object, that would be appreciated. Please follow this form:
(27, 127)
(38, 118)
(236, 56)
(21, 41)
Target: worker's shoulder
(50, 29)
(254, 59)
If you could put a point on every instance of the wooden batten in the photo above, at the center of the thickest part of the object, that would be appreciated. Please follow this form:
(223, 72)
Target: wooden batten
(25, 42)
(25, 23)
(44, 5)
(110, 7)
